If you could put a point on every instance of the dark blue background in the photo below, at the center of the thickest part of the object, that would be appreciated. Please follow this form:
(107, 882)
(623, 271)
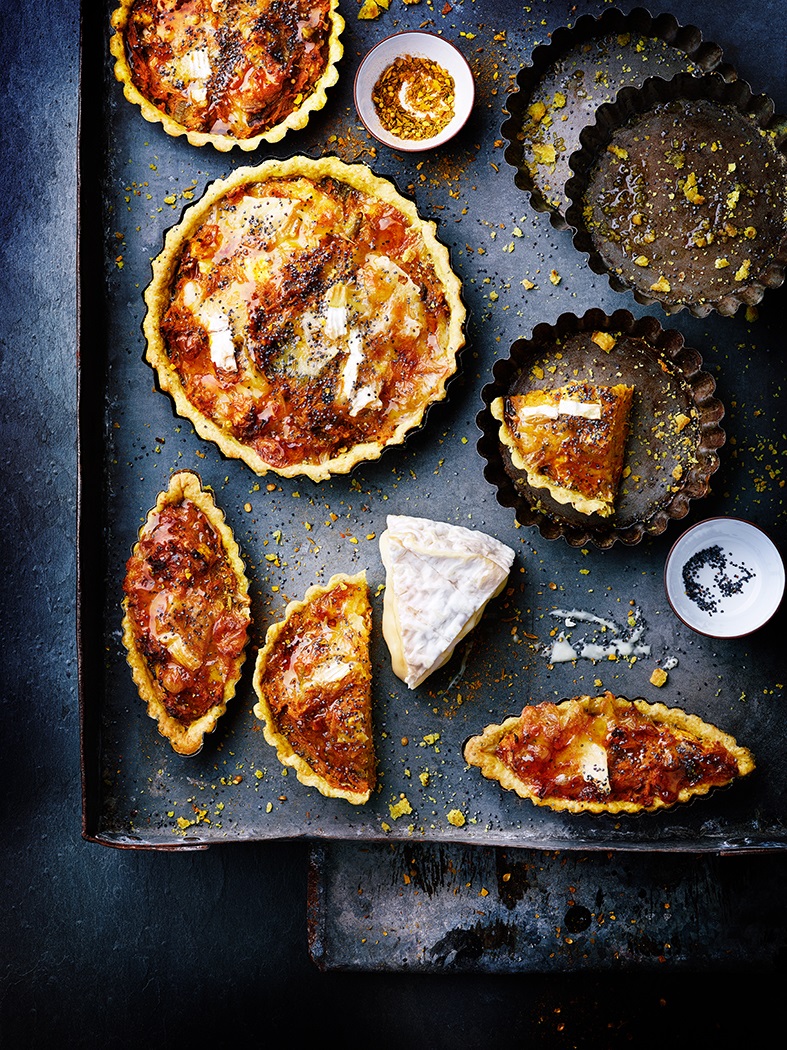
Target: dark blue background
(110, 948)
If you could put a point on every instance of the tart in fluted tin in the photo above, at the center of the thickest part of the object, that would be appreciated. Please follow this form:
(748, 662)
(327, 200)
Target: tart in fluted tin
(607, 754)
(671, 438)
(680, 194)
(304, 316)
(313, 682)
(186, 613)
(582, 67)
(227, 72)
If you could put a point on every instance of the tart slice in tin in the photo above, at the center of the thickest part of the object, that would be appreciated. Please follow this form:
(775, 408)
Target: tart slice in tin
(669, 442)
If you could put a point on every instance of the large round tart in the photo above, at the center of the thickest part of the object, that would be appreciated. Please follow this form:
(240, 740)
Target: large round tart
(303, 316)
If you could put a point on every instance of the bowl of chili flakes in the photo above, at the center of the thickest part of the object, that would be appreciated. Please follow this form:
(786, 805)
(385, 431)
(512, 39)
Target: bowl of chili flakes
(414, 91)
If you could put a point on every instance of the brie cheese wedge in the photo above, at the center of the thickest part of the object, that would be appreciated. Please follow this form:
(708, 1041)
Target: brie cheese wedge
(439, 579)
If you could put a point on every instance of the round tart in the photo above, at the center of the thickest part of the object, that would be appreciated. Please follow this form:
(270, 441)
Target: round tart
(186, 613)
(583, 379)
(680, 194)
(582, 67)
(227, 72)
(303, 316)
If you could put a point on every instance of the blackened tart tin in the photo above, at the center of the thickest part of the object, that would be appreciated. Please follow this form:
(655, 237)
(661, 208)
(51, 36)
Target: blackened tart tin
(679, 194)
(582, 67)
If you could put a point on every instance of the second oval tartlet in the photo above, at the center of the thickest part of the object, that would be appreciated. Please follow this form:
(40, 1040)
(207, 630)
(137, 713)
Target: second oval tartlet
(303, 316)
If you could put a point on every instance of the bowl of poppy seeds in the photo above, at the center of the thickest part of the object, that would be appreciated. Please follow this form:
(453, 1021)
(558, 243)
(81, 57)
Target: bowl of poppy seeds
(414, 91)
(724, 577)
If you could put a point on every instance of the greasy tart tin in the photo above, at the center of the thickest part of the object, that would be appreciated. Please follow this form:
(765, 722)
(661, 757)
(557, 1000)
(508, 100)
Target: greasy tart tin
(586, 65)
(657, 98)
(667, 377)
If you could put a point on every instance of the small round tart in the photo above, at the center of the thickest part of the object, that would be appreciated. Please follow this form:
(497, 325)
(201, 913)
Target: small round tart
(186, 613)
(303, 316)
(227, 72)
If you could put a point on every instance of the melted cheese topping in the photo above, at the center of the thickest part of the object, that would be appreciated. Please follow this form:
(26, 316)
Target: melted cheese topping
(307, 317)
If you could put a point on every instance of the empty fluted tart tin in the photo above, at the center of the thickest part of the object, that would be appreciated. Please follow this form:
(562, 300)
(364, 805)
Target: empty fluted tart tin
(679, 194)
(674, 430)
(582, 67)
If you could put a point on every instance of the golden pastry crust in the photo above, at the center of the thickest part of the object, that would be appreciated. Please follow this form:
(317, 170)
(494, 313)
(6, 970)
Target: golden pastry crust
(303, 316)
(313, 683)
(607, 754)
(227, 73)
(186, 612)
(578, 458)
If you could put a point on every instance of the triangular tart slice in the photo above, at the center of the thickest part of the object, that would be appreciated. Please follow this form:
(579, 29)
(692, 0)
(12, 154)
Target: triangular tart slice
(439, 579)
(313, 683)
(607, 754)
(186, 613)
(570, 440)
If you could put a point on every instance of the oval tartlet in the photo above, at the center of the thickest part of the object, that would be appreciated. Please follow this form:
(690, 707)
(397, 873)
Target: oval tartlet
(303, 316)
(607, 754)
(186, 613)
(313, 682)
(228, 73)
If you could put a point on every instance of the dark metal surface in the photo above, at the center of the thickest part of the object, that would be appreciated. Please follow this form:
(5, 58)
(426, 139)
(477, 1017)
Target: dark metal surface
(451, 909)
(294, 533)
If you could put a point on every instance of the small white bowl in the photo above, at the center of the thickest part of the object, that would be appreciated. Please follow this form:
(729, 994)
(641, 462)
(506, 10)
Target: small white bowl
(421, 45)
(724, 578)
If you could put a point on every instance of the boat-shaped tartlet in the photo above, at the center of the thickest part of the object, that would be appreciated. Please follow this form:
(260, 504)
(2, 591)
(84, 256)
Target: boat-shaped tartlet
(680, 194)
(227, 72)
(303, 316)
(439, 579)
(607, 754)
(570, 440)
(186, 613)
(313, 683)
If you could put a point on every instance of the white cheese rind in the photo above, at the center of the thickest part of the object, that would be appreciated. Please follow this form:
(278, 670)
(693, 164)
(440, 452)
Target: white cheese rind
(439, 579)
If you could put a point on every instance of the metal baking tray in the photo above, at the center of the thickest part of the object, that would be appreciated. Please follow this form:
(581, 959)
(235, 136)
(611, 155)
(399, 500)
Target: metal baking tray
(134, 181)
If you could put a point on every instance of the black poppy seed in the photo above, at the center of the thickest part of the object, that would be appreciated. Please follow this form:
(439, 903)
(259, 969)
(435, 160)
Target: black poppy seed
(725, 583)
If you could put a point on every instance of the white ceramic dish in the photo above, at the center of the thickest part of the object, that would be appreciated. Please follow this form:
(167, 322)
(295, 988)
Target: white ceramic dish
(422, 45)
(724, 577)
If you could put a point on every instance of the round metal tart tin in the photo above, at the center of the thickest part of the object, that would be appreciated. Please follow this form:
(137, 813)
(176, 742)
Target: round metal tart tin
(582, 67)
(669, 383)
(679, 194)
